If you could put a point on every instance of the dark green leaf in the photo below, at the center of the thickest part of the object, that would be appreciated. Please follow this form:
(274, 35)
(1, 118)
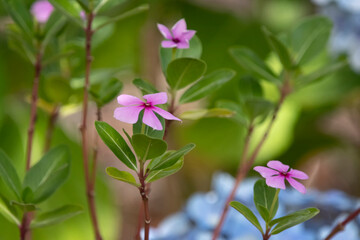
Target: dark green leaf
(250, 87)
(104, 5)
(293, 219)
(158, 174)
(263, 199)
(56, 216)
(122, 176)
(9, 175)
(106, 92)
(247, 213)
(8, 211)
(309, 38)
(280, 49)
(149, 131)
(128, 136)
(55, 89)
(47, 175)
(319, 74)
(144, 86)
(169, 159)
(147, 147)
(71, 9)
(54, 24)
(116, 143)
(25, 207)
(257, 107)
(252, 63)
(19, 43)
(204, 113)
(194, 51)
(183, 71)
(207, 85)
(27, 195)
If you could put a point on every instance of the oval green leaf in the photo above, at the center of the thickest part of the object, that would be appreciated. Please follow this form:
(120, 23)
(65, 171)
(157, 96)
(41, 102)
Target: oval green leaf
(158, 174)
(9, 175)
(247, 213)
(147, 147)
(122, 176)
(263, 199)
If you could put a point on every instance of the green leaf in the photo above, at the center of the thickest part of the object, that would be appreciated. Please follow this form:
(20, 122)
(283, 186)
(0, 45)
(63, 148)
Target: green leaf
(250, 87)
(236, 108)
(144, 86)
(158, 174)
(309, 38)
(116, 143)
(71, 9)
(83, 5)
(122, 176)
(8, 211)
(128, 136)
(25, 207)
(247, 213)
(293, 219)
(56, 216)
(53, 26)
(149, 131)
(194, 51)
(147, 147)
(55, 89)
(19, 43)
(204, 113)
(319, 74)
(47, 175)
(27, 195)
(97, 76)
(252, 63)
(106, 91)
(207, 85)
(21, 15)
(263, 199)
(183, 71)
(170, 158)
(9, 175)
(257, 108)
(280, 49)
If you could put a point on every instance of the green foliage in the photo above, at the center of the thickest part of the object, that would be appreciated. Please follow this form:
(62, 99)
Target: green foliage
(46, 176)
(165, 172)
(257, 108)
(149, 131)
(147, 147)
(24, 207)
(207, 85)
(205, 113)
(56, 216)
(116, 143)
(70, 9)
(247, 213)
(9, 175)
(263, 199)
(144, 86)
(293, 219)
(122, 176)
(106, 91)
(8, 211)
(183, 71)
(55, 89)
(250, 87)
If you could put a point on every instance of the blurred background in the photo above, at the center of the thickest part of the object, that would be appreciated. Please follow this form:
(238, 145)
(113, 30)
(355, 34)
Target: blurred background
(318, 129)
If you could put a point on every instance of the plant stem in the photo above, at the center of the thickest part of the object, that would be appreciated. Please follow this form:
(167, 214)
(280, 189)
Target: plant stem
(89, 190)
(267, 235)
(95, 151)
(341, 226)
(145, 200)
(50, 128)
(246, 165)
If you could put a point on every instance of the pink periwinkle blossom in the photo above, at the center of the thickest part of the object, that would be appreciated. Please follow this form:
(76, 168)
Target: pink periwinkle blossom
(83, 15)
(178, 36)
(133, 106)
(42, 10)
(276, 173)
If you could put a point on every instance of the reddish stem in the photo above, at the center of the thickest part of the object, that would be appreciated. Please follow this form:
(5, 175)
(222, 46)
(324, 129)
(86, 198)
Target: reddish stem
(246, 165)
(89, 186)
(145, 199)
(51, 126)
(341, 226)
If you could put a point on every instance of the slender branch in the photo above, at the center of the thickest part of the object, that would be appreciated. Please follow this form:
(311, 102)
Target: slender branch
(89, 189)
(341, 226)
(267, 235)
(245, 166)
(95, 150)
(145, 199)
(50, 128)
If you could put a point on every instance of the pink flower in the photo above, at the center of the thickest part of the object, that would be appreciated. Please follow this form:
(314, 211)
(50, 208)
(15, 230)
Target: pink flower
(133, 106)
(178, 37)
(42, 10)
(83, 15)
(278, 172)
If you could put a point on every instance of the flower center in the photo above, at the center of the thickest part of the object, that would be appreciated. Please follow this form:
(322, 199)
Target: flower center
(176, 40)
(284, 174)
(147, 105)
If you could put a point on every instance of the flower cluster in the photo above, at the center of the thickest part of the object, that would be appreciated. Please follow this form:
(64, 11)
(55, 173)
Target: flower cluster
(345, 15)
(202, 211)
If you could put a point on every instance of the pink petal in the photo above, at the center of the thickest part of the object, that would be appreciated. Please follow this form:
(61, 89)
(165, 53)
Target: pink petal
(277, 165)
(179, 28)
(128, 100)
(151, 120)
(295, 184)
(188, 35)
(164, 31)
(128, 114)
(156, 98)
(276, 182)
(297, 174)
(182, 45)
(165, 114)
(266, 172)
(168, 44)
(42, 10)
